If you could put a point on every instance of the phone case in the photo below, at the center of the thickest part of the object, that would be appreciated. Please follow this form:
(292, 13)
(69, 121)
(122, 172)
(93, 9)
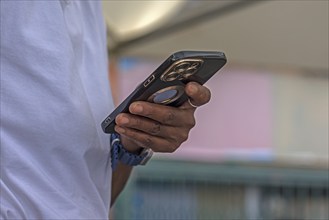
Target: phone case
(166, 85)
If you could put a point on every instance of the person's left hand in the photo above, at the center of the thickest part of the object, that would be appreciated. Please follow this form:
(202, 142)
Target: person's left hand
(159, 127)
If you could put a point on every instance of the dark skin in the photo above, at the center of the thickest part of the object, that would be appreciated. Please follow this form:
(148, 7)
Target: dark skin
(159, 127)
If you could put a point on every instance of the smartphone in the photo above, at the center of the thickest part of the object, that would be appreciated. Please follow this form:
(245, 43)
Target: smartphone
(166, 85)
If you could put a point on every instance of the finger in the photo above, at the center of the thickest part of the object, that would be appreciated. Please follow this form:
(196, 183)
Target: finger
(198, 94)
(143, 124)
(157, 144)
(166, 115)
(188, 106)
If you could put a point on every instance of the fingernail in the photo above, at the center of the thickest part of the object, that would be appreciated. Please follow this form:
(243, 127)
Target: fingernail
(193, 89)
(137, 108)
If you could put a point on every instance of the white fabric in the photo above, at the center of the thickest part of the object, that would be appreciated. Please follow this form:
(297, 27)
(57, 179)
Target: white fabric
(54, 94)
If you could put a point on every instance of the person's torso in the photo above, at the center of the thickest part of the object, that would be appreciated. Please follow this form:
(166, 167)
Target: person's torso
(54, 95)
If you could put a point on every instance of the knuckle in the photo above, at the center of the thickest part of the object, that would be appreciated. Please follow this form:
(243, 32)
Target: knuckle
(192, 123)
(148, 143)
(156, 128)
(184, 137)
(172, 148)
(175, 145)
(170, 117)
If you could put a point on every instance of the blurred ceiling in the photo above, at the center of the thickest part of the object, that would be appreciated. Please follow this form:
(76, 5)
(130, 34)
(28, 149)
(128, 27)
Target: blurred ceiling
(274, 33)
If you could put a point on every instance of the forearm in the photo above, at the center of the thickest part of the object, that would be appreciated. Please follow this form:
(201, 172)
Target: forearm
(122, 172)
(119, 179)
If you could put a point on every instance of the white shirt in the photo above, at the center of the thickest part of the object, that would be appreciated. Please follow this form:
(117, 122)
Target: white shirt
(55, 159)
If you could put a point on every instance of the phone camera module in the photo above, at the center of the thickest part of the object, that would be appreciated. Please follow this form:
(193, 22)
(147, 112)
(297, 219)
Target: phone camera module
(182, 69)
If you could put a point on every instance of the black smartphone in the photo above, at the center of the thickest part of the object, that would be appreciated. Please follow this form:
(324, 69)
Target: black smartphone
(166, 85)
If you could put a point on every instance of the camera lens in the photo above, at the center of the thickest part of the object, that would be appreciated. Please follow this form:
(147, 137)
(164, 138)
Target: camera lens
(170, 76)
(189, 71)
(181, 68)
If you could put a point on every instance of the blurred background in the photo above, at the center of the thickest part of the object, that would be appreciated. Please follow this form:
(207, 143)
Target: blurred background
(260, 147)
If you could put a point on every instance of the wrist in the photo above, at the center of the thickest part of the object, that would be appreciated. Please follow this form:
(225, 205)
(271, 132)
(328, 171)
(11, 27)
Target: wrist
(120, 153)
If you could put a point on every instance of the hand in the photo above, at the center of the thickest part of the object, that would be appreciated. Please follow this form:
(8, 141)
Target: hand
(159, 127)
